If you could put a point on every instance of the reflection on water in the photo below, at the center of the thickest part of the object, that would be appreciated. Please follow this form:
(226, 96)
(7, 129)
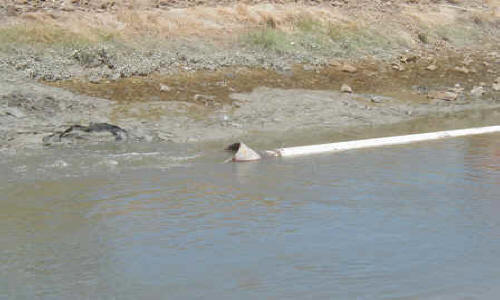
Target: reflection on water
(409, 221)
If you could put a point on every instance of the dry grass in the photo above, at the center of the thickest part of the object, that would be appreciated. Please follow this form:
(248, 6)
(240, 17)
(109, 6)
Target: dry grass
(269, 26)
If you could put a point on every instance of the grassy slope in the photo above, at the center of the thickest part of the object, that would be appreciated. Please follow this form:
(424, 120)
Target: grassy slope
(283, 29)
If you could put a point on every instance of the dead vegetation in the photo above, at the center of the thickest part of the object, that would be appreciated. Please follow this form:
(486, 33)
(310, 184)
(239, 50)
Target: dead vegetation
(276, 27)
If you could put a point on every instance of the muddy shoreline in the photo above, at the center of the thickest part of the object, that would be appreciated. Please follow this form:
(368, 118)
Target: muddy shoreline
(33, 111)
(231, 103)
(281, 69)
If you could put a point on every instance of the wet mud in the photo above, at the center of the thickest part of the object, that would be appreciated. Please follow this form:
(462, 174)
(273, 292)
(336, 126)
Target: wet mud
(409, 77)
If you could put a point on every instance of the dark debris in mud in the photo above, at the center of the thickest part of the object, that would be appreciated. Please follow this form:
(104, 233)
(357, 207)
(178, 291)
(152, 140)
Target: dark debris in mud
(95, 132)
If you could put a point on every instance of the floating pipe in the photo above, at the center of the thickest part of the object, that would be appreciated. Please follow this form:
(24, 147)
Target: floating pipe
(367, 143)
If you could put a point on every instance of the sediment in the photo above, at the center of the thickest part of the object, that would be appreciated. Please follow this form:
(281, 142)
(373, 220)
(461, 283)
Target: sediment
(229, 70)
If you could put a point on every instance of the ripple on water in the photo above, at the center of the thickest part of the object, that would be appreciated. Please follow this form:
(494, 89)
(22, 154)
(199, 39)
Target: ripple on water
(409, 221)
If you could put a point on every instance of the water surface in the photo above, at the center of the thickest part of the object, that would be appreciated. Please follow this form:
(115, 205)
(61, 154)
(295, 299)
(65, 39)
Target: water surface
(149, 222)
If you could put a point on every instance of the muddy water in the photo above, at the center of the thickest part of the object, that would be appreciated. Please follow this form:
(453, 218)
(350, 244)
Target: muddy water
(165, 221)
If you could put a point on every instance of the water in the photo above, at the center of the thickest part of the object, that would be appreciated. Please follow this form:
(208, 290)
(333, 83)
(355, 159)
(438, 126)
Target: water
(151, 222)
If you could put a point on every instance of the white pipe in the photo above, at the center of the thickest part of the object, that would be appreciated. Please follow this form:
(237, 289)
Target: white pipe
(377, 142)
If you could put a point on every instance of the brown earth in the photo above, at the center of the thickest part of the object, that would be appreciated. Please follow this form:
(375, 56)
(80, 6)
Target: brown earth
(406, 77)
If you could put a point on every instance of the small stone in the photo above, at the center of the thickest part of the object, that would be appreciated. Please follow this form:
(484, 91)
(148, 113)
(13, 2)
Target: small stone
(477, 91)
(496, 87)
(497, 80)
(431, 67)
(59, 164)
(377, 99)
(334, 63)
(204, 99)
(349, 68)
(164, 88)
(463, 70)
(456, 89)
(308, 68)
(345, 88)
(115, 76)
(442, 95)
(407, 59)
(95, 78)
(398, 67)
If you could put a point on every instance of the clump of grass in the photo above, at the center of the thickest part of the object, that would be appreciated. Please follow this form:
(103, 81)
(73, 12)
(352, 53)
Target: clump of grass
(423, 37)
(458, 35)
(307, 24)
(46, 35)
(37, 34)
(357, 38)
(269, 39)
(311, 34)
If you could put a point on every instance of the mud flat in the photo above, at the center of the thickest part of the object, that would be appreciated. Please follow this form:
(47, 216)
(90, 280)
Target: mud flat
(31, 115)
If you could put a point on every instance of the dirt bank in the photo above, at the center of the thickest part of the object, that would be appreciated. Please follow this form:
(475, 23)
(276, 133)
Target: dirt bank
(212, 72)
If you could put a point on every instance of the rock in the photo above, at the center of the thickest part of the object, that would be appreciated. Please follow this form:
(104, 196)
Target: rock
(95, 78)
(407, 59)
(420, 89)
(349, 68)
(442, 95)
(308, 68)
(477, 91)
(379, 99)
(398, 67)
(345, 88)
(496, 84)
(243, 153)
(95, 132)
(468, 61)
(431, 67)
(334, 63)
(456, 89)
(462, 70)
(423, 37)
(204, 99)
(93, 57)
(164, 88)
(115, 76)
